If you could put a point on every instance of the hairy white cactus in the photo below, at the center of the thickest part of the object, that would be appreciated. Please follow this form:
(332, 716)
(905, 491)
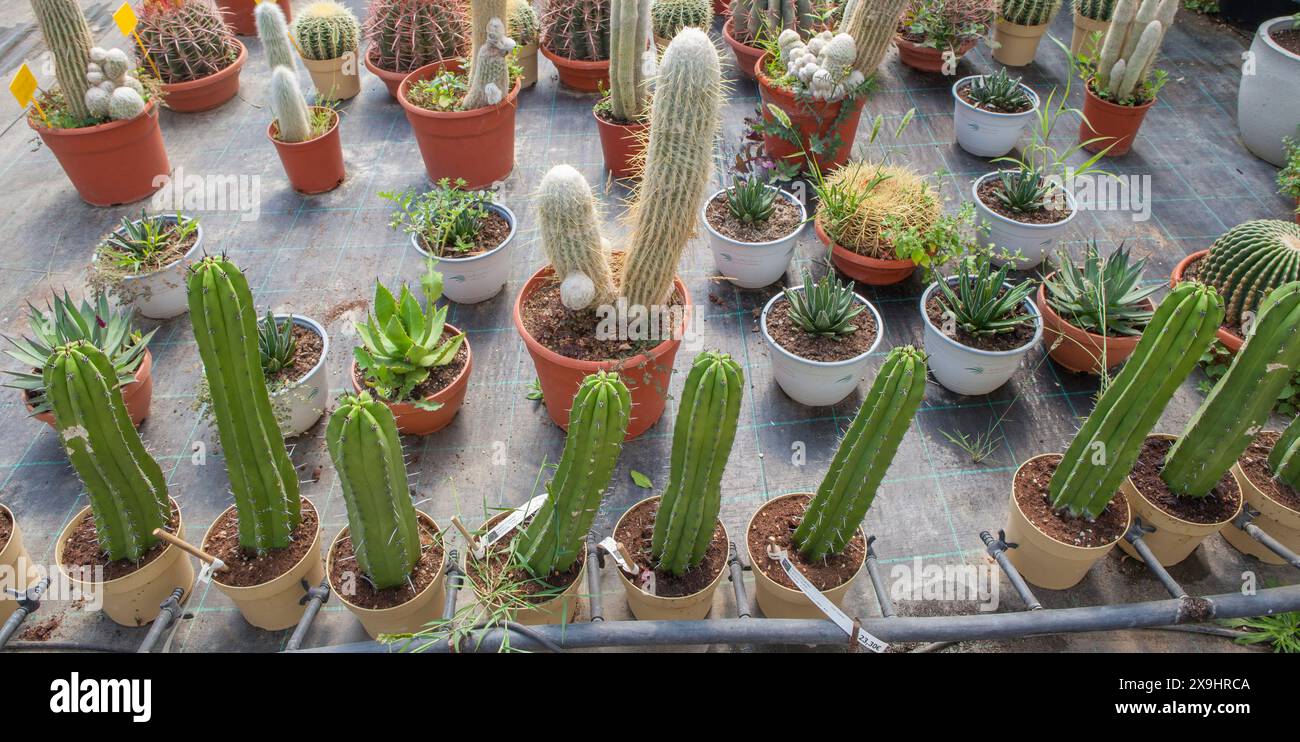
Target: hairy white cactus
(824, 66)
(112, 92)
(1132, 42)
(571, 238)
(489, 71)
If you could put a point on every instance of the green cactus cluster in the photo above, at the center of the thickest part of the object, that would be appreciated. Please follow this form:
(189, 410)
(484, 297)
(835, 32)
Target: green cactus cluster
(872, 24)
(628, 44)
(577, 29)
(1249, 261)
(667, 17)
(1097, 10)
(1284, 459)
(1029, 12)
(755, 19)
(326, 30)
(523, 24)
(186, 39)
(1129, 49)
(489, 69)
(68, 37)
(402, 35)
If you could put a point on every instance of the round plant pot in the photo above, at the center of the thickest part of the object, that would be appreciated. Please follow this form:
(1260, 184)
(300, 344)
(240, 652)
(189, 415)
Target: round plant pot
(136, 394)
(1230, 340)
(407, 618)
(277, 603)
(1015, 45)
(335, 79)
(647, 375)
(558, 609)
(479, 277)
(808, 117)
(1032, 241)
(988, 133)
(969, 371)
(778, 601)
(647, 607)
(528, 62)
(17, 566)
(752, 265)
(114, 163)
(299, 405)
(239, 14)
(207, 92)
(1267, 105)
(313, 166)
(1077, 349)
(134, 599)
(578, 74)
(621, 144)
(1275, 519)
(1084, 28)
(928, 58)
(863, 268)
(412, 420)
(160, 294)
(746, 56)
(477, 146)
(392, 80)
(817, 383)
(1110, 124)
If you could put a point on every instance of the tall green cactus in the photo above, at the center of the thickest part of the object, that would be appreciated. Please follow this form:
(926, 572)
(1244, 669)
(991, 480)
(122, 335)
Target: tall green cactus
(577, 29)
(365, 448)
(1097, 10)
(864, 455)
(1284, 460)
(489, 72)
(750, 18)
(273, 30)
(629, 37)
(128, 494)
(262, 477)
(326, 30)
(292, 119)
(872, 24)
(566, 213)
(1029, 12)
(69, 40)
(1106, 447)
(1250, 260)
(702, 438)
(553, 539)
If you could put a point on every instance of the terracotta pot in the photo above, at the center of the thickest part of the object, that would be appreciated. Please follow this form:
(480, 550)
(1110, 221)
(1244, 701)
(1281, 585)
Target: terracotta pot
(1115, 124)
(114, 163)
(746, 56)
(528, 61)
(277, 603)
(558, 609)
(1230, 341)
(1079, 350)
(778, 601)
(647, 375)
(808, 117)
(1041, 559)
(1275, 519)
(239, 14)
(136, 394)
(1084, 27)
(621, 144)
(647, 607)
(16, 567)
(134, 599)
(335, 79)
(928, 58)
(406, 618)
(392, 80)
(313, 166)
(864, 269)
(1015, 45)
(578, 74)
(208, 92)
(477, 145)
(412, 420)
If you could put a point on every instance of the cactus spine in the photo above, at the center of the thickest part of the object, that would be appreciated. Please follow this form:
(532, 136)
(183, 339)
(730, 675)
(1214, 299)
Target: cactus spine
(702, 438)
(1284, 460)
(68, 37)
(128, 494)
(405, 34)
(1132, 42)
(552, 541)
(629, 40)
(566, 213)
(749, 18)
(262, 477)
(1223, 427)
(667, 17)
(292, 119)
(1097, 10)
(326, 30)
(366, 451)
(523, 24)
(1250, 260)
(864, 455)
(489, 72)
(1108, 444)
(274, 33)
(872, 26)
(186, 39)
(1029, 12)
(577, 29)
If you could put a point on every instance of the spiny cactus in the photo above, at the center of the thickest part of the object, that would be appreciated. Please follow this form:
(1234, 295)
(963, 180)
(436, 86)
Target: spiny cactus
(128, 494)
(405, 34)
(1284, 459)
(365, 448)
(1131, 44)
(872, 24)
(1106, 447)
(1029, 12)
(489, 71)
(292, 119)
(262, 477)
(702, 438)
(824, 66)
(186, 39)
(552, 541)
(667, 17)
(566, 213)
(629, 57)
(523, 24)
(752, 18)
(864, 455)
(879, 193)
(114, 92)
(273, 30)
(1097, 10)
(326, 30)
(1240, 403)
(67, 35)
(1250, 260)
(577, 29)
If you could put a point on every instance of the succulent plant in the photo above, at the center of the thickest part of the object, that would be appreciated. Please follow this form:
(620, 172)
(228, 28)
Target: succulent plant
(570, 233)
(275, 343)
(114, 93)
(141, 245)
(1104, 295)
(523, 24)
(982, 303)
(999, 92)
(577, 29)
(273, 31)
(1129, 49)
(489, 69)
(856, 201)
(1029, 12)
(750, 199)
(872, 24)
(629, 55)
(667, 17)
(67, 35)
(186, 39)
(826, 307)
(1250, 260)
(326, 30)
(1284, 459)
(292, 116)
(402, 35)
(1097, 10)
(752, 20)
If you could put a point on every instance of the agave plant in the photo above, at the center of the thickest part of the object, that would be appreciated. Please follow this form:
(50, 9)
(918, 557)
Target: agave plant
(64, 322)
(982, 304)
(1104, 295)
(750, 200)
(826, 307)
(275, 343)
(1023, 191)
(999, 92)
(138, 245)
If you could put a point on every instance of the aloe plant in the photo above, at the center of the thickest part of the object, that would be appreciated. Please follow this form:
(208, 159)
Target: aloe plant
(826, 307)
(1104, 295)
(982, 304)
(275, 343)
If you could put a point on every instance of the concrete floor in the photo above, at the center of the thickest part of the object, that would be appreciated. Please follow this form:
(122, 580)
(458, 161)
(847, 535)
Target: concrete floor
(319, 255)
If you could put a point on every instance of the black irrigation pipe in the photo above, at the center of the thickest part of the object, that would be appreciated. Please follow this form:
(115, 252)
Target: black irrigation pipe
(27, 605)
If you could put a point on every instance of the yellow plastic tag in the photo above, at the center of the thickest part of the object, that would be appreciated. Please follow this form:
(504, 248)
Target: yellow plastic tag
(125, 18)
(23, 86)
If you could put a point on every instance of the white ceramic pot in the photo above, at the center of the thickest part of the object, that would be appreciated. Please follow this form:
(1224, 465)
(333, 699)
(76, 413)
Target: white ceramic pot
(966, 370)
(753, 265)
(1032, 242)
(985, 133)
(299, 405)
(817, 383)
(1268, 100)
(161, 294)
(478, 278)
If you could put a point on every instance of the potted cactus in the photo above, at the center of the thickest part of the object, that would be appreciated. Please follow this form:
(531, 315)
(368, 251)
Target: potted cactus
(753, 227)
(328, 38)
(388, 564)
(544, 558)
(1267, 107)
(678, 537)
(1090, 17)
(405, 35)
(241, 14)
(195, 52)
(525, 28)
(143, 262)
(127, 491)
(293, 349)
(576, 38)
(1267, 475)
(667, 17)
(1066, 511)
(15, 562)
(821, 533)
(990, 112)
(933, 35)
(622, 113)
(1020, 26)
(754, 22)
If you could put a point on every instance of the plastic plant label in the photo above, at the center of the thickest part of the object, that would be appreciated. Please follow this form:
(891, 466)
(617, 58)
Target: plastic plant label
(507, 524)
(614, 549)
(23, 85)
(125, 19)
(824, 603)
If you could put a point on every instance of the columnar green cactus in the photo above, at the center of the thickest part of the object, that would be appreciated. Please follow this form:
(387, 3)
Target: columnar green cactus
(262, 477)
(1106, 447)
(1029, 12)
(289, 107)
(667, 17)
(628, 46)
(1284, 460)
(577, 29)
(326, 30)
(864, 455)
(489, 71)
(553, 539)
(1129, 50)
(872, 24)
(67, 35)
(750, 18)
(702, 438)
(1240, 403)
(128, 494)
(274, 33)
(366, 451)
(402, 35)
(1097, 10)
(1250, 260)
(566, 213)
(186, 39)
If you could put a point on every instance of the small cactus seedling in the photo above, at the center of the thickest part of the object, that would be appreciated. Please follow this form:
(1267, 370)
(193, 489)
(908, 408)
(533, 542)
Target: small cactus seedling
(326, 30)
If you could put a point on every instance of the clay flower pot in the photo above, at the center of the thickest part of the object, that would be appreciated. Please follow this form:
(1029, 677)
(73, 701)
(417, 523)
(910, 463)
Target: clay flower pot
(557, 609)
(137, 394)
(18, 566)
(1080, 350)
(477, 145)
(621, 143)
(1116, 125)
(206, 92)
(406, 618)
(862, 268)
(239, 14)
(1016, 45)
(1230, 340)
(392, 80)
(335, 79)
(1275, 519)
(808, 117)
(412, 420)
(313, 166)
(777, 600)
(928, 58)
(648, 607)
(746, 56)
(578, 74)
(114, 163)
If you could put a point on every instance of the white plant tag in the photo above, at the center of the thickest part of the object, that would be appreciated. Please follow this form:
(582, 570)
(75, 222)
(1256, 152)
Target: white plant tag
(824, 603)
(611, 547)
(507, 524)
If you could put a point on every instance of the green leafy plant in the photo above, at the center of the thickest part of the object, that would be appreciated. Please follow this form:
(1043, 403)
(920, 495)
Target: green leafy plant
(978, 446)
(1214, 364)
(946, 24)
(999, 92)
(1288, 178)
(275, 344)
(447, 218)
(1103, 295)
(442, 92)
(825, 307)
(932, 248)
(1206, 7)
(145, 244)
(750, 200)
(1281, 631)
(982, 304)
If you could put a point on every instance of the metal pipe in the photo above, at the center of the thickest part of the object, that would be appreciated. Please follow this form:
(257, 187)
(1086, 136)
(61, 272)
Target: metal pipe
(1134, 536)
(594, 563)
(315, 598)
(1244, 521)
(27, 605)
(171, 610)
(737, 577)
(455, 580)
(997, 549)
(873, 571)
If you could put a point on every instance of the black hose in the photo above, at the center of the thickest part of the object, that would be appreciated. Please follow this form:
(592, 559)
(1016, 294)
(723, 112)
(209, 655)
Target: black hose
(518, 628)
(64, 647)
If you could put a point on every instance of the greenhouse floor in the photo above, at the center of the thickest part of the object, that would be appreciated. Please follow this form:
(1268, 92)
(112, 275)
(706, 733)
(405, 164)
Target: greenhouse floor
(320, 256)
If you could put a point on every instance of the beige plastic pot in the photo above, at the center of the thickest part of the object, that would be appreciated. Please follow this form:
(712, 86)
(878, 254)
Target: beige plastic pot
(647, 607)
(779, 601)
(528, 62)
(335, 79)
(558, 609)
(134, 600)
(16, 568)
(1275, 519)
(407, 618)
(1015, 44)
(1084, 27)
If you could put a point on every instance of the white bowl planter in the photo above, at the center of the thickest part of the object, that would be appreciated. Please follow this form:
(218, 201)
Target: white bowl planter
(480, 277)
(1268, 102)
(1032, 241)
(161, 294)
(965, 370)
(986, 133)
(299, 405)
(817, 383)
(752, 265)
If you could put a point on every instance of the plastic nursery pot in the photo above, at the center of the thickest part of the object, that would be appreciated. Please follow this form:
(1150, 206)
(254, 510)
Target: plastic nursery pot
(527, 59)
(808, 117)
(114, 163)
(477, 145)
(1230, 340)
(1267, 105)
(479, 277)
(647, 607)
(160, 294)
(646, 375)
(406, 618)
(863, 268)
(207, 92)
(1110, 123)
(620, 144)
(1015, 45)
(778, 601)
(16, 564)
(928, 58)
(817, 383)
(1084, 28)
(988, 133)
(746, 56)
(277, 603)
(300, 404)
(412, 420)
(557, 609)
(133, 599)
(1044, 561)
(1275, 519)
(335, 79)
(136, 394)
(313, 166)
(1032, 241)
(1077, 349)
(392, 80)
(752, 265)
(964, 370)
(579, 74)
(239, 14)
(1174, 538)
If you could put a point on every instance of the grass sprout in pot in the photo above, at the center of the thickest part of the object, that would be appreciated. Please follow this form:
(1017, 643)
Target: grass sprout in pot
(753, 230)
(293, 350)
(1021, 215)
(990, 112)
(143, 262)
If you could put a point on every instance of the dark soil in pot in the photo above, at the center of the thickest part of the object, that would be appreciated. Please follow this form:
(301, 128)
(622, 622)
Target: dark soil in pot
(1192, 273)
(439, 378)
(964, 93)
(988, 191)
(1031, 490)
(495, 571)
(1216, 507)
(636, 533)
(81, 550)
(1017, 338)
(784, 220)
(573, 334)
(1254, 462)
(495, 230)
(774, 525)
(816, 347)
(246, 570)
(603, 113)
(306, 354)
(174, 250)
(1287, 38)
(346, 572)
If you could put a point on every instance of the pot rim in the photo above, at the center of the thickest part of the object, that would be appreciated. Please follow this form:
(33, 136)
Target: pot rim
(1246, 474)
(602, 122)
(314, 141)
(233, 590)
(1023, 114)
(503, 211)
(581, 64)
(231, 69)
(627, 584)
(13, 521)
(329, 572)
(749, 525)
(1105, 104)
(979, 204)
(854, 257)
(1176, 276)
(302, 320)
(803, 220)
(1029, 302)
(1241, 494)
(1264, 34)
(150, 109)
(66, 534)
(1042, 294)
(198, 242)
(435, 397)
(855, 360)
(1103, 548)
(510, 99)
